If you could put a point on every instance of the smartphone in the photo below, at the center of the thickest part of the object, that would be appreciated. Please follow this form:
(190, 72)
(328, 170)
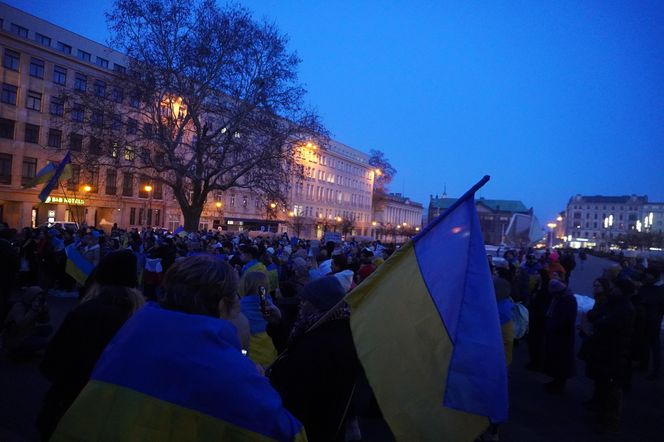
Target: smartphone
(262, 293)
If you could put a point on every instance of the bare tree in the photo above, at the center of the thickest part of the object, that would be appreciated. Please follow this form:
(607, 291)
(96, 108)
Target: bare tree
(209, 101)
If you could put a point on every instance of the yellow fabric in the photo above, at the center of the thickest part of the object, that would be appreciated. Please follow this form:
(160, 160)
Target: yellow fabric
(405, 351)
(273, 277)
(106, 412)
(76, 273)
(261, 349)
(258, 267)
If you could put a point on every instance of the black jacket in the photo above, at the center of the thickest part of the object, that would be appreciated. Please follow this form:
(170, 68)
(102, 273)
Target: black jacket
(315, 378)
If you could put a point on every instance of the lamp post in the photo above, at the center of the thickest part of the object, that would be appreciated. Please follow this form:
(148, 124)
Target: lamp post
(551, 226)
(148, 189)
(269, 210)
(608, 224)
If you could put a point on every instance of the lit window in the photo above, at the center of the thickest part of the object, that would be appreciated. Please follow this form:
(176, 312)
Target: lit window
(129, 153)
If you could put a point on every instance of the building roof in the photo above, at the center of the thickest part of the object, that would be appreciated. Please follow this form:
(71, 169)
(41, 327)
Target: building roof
(397, 197)
(513, 206)
(601, 199)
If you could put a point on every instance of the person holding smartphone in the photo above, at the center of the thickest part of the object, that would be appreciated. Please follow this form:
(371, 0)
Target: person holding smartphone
(254, 305)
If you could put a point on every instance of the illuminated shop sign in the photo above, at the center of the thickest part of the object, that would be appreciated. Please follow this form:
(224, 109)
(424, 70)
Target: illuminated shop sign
(62, 200)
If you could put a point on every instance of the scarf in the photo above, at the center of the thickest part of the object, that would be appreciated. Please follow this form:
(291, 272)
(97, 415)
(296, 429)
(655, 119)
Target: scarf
(304, 322)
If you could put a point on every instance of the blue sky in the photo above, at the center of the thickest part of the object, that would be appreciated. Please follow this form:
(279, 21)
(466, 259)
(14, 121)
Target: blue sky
(549, 98)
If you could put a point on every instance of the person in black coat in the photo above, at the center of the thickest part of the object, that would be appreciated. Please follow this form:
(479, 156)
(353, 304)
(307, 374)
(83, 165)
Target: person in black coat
(317, 372)
(607, 352)
(72, 354)
(560, 330)
(651, 297)
(539, 305)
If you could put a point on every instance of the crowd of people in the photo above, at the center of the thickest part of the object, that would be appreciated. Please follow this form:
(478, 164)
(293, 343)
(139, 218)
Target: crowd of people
(284, 299)
(616, 337)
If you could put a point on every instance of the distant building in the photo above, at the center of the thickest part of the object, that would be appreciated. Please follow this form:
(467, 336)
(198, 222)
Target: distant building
(652, 217)
(495, 215)
(397, 216)
(597, 220)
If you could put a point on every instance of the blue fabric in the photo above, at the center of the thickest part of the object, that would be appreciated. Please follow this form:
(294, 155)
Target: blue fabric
(53, 182)
(505, 310)
(452, 259)
(248, 265)
(250, 306)
(193, 361)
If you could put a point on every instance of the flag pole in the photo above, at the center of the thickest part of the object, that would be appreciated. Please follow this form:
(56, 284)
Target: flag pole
(71, 210)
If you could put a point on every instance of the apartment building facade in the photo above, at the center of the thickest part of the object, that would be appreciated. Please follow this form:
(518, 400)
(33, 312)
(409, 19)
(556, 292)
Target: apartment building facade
(41, 60)
(597, 220)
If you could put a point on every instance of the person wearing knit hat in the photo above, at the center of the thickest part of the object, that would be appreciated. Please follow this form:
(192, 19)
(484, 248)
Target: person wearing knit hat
(560, 361)
(316, 373)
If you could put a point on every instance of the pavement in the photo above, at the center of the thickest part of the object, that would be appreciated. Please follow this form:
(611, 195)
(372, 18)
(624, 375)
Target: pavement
(534, 415)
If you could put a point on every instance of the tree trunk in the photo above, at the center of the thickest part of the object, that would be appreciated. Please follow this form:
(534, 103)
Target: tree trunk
(192, 217)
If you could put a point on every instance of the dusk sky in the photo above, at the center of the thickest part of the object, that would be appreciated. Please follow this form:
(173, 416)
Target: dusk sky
(549, 98)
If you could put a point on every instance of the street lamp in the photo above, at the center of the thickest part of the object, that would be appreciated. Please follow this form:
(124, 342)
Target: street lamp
(551, 226)
(148, 189)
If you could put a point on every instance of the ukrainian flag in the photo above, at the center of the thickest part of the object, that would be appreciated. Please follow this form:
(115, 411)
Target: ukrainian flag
(172, 376)
(53, 180)
(44, 174)
(427, 332)
(77, 266)
(261, 349)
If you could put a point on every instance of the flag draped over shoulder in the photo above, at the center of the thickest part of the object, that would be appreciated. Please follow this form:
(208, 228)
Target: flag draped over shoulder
(77, 266)
(53, 182)
(172, 376)
(427, 332)
(261, 348)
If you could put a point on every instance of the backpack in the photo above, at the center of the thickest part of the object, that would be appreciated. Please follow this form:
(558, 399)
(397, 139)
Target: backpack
(521, 318)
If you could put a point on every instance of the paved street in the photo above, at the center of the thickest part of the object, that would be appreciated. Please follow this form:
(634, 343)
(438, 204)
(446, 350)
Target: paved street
(534, 415)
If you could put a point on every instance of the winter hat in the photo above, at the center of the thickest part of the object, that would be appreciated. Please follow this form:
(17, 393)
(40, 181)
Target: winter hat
(270, 250)
(553, 256)
(117, 268)
(324, 293)
(556, 286)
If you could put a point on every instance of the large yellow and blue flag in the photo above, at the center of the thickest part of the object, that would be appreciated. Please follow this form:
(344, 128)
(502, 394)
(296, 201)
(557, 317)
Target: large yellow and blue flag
(53, 181)
(173, 376)
(427, 332)
(77, 266)
(43, 175)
